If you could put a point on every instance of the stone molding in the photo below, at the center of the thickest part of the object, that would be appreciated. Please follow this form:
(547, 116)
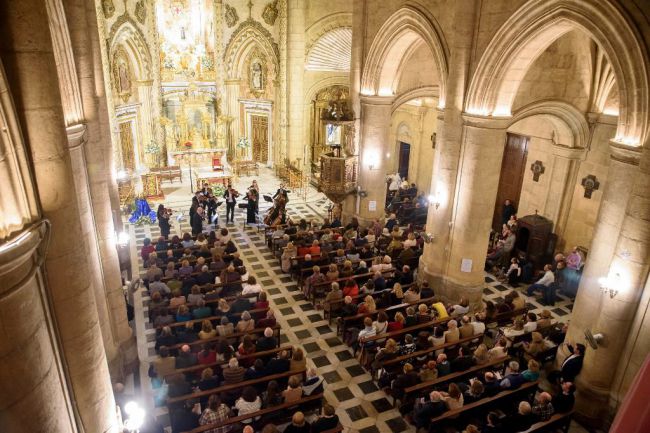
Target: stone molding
(67, 72)
(376, 100)
(328, 23)
(20, 249)
(567, 113)
(249, 32)
(420, 92)
(77, 136)
(405, 20)
(486, 122)
(625, 154)
(537, 24)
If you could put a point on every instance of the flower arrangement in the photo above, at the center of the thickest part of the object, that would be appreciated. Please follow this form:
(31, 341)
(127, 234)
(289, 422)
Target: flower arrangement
(143, 220)
(152, 148)
(187, 144)
(243, 143)
(218, 190)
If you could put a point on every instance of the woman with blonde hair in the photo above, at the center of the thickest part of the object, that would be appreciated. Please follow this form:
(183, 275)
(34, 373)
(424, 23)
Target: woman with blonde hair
(298, 361)
(177, 300)
(481, 354)
(289, 251)
(453, 397)
(333, 272)
(423, 313)
(367, 306)
(207, 330)
(376, 265)
(347, 270)
(532, 373)
(397, 294)
(398, 323)
(225, 328)
(535, 347)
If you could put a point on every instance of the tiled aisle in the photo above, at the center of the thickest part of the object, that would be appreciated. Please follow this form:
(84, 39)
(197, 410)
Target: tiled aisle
(360, 405)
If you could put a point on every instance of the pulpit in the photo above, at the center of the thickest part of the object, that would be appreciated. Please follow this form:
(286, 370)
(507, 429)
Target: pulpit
(535, 239)
(338, 175)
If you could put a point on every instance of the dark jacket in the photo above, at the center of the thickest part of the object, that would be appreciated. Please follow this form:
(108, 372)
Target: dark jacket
(422, 415)
(462, 363)
(197, 224)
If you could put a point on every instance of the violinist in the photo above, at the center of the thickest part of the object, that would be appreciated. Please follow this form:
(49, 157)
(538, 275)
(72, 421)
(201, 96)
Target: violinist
(163, 220)
(231, 200)
(252, 209)
(211, 204)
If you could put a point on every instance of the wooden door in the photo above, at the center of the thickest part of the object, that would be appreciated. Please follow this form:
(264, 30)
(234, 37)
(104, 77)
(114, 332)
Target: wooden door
(513, 166)
(126, 146)
(260, 138)
(404, 157)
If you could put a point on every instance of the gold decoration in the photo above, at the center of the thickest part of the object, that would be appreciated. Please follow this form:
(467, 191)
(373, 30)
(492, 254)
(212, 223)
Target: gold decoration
(141, 11)
(122, 74)
(257, 73)
(108, 8)
(126, 146)
(270, 13)
(231, 16)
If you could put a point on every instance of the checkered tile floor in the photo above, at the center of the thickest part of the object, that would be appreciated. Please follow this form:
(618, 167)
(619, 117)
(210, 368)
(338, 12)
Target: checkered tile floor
(361, 406)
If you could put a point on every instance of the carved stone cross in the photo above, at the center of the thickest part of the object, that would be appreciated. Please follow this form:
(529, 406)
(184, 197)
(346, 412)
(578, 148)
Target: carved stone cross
(250, 8)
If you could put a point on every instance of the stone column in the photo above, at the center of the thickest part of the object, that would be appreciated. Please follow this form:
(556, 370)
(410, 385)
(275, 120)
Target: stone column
(145, 95)
(627, 272)
(295, 77)
(35, 396)
(82, 24)
(480, 168)
(232, 108)
(26, 49)
(434, 261)
(623, 168)
(375, 128)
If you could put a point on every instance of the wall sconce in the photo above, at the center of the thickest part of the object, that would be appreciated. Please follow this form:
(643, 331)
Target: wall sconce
(122, 239)
(371, 159)
(428, 238)
(610, 285)
(432, 200)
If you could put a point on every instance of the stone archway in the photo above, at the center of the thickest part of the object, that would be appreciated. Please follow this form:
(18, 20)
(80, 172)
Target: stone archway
(400, 35)
(537, 24)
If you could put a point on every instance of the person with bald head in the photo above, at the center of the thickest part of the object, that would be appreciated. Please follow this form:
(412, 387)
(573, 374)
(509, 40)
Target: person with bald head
(425, 410)
(543, 408)
(186, 358)
(298, 424)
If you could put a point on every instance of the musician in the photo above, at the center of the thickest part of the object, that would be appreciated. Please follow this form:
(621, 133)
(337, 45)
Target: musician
(212, 205)
(253, 203)
(197, 221)
(282, 192)
(231, 200)
(206, 190)
(163, 220)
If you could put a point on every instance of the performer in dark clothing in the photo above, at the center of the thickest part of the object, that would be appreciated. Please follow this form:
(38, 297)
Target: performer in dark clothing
(163, 221)
(507, 211)
(231, 200)
(253, 197)
(197, 221)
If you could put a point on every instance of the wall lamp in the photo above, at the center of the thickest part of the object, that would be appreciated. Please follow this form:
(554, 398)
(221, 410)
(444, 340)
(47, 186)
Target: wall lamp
(610, 285)
(432, 200)
(428, 238)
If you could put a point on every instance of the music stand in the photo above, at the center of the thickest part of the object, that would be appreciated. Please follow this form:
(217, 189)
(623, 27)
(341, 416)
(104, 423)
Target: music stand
(267, 198)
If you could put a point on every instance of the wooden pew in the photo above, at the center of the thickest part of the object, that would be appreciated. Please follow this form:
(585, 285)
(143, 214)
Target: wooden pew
(396, 361)
(214, 318)
(558, 421)
(485, 403)
(282, 409)
(199, 368)
(236, 386)
(424, 388)
(236, 335)
(346, 322)
(327, 314)
(342, 281)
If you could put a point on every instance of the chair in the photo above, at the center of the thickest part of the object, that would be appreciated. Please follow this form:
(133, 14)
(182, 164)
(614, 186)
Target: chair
(217, 165)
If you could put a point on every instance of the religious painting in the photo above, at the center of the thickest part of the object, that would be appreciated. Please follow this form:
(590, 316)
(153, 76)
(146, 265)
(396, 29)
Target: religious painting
(122, 75)
(332, 134)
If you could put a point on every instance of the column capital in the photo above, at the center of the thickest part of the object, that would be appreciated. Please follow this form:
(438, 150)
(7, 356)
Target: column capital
(377, 100)
(486, 122)
(77, 135)
(624, 153)
(18, 250)
(232, 81)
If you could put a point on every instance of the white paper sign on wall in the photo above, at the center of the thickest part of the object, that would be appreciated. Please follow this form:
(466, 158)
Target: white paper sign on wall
(372, 205)
(466, 265)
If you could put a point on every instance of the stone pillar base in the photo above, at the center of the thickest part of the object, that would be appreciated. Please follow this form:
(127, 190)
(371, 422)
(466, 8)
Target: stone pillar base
(592, 406)
(125, 361)
(449, 290)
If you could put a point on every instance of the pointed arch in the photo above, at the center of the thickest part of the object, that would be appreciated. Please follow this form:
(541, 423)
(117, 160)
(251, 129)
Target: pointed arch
(249, 35)
(536, 25)
(396, 40)
(125, 34)
(561, 113)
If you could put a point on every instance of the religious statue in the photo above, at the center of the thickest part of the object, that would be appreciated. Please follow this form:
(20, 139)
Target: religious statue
(125, 82)
(256, 76)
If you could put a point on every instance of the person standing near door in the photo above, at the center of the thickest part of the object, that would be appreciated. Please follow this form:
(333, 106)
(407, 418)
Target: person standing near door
(507, 211)
(231, 200)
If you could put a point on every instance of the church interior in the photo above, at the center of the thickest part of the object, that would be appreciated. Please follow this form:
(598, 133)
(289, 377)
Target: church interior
(306, 216)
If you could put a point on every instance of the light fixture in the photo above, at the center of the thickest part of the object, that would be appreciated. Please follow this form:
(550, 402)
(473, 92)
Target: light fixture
(122, 175)
(610, 284)
(432, 200)
(134, 416)
(428, 237)
(371, 159)
(122, 239)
